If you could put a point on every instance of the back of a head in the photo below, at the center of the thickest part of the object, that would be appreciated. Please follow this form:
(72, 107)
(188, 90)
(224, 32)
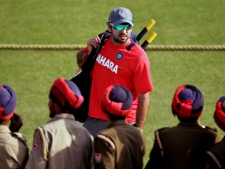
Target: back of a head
(117, 101)
(7, 102)
(187, 102)
(219, 114)
(66, 94)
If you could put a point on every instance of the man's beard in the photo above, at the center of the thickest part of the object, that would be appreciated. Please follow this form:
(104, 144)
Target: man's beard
(120, 41)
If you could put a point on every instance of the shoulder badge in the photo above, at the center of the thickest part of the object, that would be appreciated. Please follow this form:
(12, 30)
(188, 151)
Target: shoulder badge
(34, 148)
(98, 157)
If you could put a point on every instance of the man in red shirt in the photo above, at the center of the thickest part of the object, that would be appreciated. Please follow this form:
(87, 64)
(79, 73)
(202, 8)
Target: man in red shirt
(120, 61)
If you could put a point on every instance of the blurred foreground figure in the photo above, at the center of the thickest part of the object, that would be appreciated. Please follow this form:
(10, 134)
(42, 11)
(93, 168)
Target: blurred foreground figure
(216, 156)
(62, 143)
(13, 147)
(183, 146)
(120, 145)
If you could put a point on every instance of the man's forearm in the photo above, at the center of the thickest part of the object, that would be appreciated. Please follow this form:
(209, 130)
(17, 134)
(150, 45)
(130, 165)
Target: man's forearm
(142, 109)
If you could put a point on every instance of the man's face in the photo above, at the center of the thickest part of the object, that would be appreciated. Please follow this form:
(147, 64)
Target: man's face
(121, 33)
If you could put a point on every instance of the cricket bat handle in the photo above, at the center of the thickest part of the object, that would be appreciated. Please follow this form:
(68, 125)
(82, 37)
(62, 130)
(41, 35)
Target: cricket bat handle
(149, 40)
(145, 29)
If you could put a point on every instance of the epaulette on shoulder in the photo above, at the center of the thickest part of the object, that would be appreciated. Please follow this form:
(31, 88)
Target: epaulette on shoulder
(106, 139)
(20, 137)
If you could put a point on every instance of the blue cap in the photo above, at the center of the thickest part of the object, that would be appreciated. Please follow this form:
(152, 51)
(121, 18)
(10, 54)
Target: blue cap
(120, 15)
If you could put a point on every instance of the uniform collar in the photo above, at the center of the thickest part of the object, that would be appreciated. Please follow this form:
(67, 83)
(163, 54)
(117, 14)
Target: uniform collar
(4, 129)
(117, 122)
(64, 115)
(182, 123)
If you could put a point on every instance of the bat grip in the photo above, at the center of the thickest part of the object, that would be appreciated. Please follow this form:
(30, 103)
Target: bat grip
(144, 45)
(149, 40)
(141, 34)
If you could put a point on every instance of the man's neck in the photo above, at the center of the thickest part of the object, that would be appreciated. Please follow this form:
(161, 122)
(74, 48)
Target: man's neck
(4, 123)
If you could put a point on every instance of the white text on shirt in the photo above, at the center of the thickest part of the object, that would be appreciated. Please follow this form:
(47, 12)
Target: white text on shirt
(107, 63)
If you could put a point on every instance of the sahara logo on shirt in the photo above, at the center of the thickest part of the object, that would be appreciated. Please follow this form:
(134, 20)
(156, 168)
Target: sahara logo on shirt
(107, 63)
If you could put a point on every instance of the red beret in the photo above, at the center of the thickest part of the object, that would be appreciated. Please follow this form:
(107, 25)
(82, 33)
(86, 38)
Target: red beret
(219, 114)
(117, 100)
(67, 92)
(187, 101)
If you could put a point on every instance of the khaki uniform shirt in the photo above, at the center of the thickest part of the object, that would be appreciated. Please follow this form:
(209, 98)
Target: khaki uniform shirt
(181, 147)
(61, 144)
(119, 146)
(13, 149)
(216, 156)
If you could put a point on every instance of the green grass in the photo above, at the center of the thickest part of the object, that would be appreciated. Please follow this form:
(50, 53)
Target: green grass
(179, 22)
(31, 74)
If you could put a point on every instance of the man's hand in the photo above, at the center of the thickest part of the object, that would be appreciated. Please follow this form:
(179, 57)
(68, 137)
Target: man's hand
(81, 57)
(94, 42)
(16, 123)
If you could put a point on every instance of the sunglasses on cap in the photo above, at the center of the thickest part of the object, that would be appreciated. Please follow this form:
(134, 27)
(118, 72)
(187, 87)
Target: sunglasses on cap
(121, 27)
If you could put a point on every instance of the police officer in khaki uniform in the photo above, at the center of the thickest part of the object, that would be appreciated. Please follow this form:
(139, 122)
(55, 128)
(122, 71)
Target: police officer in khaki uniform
(216, 156)
(120, 145)
(13, 147)
(183, 146)
(62, 143)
